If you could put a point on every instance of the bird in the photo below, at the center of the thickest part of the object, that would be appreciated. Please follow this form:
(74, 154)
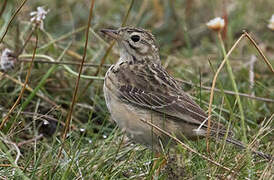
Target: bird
(137, 88)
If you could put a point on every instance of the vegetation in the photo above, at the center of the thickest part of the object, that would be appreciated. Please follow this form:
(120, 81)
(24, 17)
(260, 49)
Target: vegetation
(37, 140)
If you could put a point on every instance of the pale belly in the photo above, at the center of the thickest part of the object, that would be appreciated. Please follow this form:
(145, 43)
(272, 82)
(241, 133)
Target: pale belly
(128, 118)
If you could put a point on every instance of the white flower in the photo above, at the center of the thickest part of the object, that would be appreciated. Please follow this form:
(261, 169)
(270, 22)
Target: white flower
(271, 23)
(216, 24)
(37, 17)
(7, 61)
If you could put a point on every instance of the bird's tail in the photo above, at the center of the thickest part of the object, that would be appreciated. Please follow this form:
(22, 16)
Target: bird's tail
(242, 146)
(219, 134)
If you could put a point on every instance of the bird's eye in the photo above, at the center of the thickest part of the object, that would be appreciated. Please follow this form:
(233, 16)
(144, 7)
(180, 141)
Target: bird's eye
(135, 38)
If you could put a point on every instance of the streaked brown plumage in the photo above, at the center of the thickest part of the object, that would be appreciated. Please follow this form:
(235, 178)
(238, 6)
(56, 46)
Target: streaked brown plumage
(138, 87)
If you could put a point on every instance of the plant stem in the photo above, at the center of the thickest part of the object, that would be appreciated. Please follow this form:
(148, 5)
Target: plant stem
(232, 78)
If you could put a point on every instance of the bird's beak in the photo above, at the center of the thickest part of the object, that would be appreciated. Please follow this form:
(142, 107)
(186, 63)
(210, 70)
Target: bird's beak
(111, 33)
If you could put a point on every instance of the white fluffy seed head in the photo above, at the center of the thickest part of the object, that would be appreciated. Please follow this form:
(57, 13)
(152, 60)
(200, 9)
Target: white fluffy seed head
(271, 23)
(6, 60)
(216, 24)
(37, 17)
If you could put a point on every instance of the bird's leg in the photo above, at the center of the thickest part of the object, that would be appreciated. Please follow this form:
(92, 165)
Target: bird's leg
(159, 166)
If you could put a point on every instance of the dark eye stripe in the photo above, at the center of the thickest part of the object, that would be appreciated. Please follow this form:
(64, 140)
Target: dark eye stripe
(130, 45)
(133, 47)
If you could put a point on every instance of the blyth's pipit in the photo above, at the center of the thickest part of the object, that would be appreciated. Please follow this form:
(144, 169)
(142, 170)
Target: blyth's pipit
(138, 87)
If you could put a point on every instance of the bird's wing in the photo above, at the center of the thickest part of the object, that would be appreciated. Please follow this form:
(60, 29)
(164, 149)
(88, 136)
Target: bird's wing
(173, 105)
(151, 87)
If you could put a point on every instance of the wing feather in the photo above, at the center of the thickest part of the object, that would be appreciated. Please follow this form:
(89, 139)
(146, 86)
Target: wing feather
(150, 86)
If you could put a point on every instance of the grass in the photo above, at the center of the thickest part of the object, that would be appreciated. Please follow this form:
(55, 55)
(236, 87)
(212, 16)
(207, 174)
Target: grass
(31, 144)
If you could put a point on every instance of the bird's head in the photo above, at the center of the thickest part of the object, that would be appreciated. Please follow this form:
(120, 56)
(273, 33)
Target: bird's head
(136, 43)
